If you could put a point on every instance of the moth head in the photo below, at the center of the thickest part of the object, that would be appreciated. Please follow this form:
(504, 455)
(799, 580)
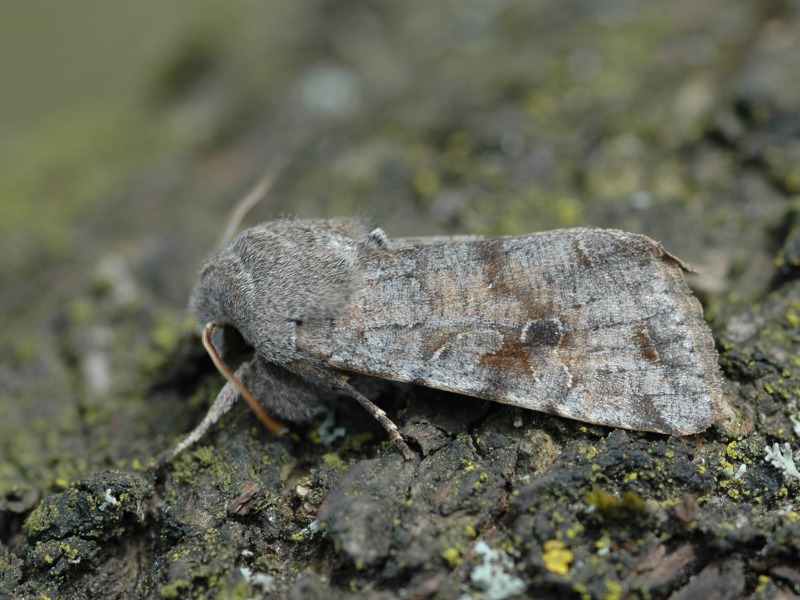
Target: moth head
(217, 296)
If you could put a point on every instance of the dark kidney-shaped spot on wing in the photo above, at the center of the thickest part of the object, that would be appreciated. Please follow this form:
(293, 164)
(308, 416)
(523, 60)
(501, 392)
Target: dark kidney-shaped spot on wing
(542, 334)
(523, 349)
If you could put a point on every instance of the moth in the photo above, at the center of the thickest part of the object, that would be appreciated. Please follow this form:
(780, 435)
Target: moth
(597, 325)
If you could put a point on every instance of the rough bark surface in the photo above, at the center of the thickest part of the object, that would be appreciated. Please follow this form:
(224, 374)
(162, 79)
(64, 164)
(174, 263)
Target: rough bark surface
(677, 120)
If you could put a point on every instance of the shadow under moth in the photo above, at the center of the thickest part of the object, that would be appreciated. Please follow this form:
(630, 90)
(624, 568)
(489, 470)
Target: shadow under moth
(592, 324)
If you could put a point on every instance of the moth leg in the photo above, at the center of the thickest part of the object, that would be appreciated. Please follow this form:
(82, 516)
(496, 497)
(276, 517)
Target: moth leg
(338, 381)
(380, 416)
(225, 399)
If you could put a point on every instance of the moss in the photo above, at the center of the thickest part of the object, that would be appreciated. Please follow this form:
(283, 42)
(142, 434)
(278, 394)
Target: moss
(167, 332)
(334, 461)
(238, 590)
(605, 503)
(175, 589)
(61, 558)
(633, 502)
(206, 460)
(356, 442)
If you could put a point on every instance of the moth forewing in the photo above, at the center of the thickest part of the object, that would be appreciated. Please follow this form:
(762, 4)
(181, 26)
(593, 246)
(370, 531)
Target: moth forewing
(595, 325)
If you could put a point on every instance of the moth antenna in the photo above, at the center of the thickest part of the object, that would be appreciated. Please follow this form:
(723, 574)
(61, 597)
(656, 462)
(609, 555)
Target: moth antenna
(268, 422)
(250, 200)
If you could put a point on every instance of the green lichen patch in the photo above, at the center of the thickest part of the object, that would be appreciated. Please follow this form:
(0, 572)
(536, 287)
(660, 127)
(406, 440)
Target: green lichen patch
(204, 486)
(596, 500)
(205, 562)
(10, 571)
(59, 557)
(99, 507)
(76, 533)
(760, 351)
(398, 516)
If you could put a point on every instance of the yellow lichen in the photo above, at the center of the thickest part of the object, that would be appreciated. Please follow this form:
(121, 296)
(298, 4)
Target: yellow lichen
(452, 556)
(613, 591)
(557, 557)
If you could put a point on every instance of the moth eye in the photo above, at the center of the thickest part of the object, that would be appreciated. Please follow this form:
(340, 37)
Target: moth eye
(296, 321)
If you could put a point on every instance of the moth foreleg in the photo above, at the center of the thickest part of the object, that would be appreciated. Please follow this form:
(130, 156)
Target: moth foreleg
(225, 399)
(379, 414)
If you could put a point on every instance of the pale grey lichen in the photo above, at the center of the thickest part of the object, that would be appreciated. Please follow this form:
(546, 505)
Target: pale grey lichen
(108, 500)
(737, 474)
(328, 432)
(795, 425)
(312, 529)
(258, 580)
(494, 577)
(782, 459)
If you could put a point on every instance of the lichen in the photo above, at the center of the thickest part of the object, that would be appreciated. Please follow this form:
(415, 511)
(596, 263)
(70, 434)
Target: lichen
(557, 557)
(494, 577)
(782, 459)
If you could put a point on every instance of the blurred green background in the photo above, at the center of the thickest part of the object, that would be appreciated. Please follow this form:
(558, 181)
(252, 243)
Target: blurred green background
(139, 125)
